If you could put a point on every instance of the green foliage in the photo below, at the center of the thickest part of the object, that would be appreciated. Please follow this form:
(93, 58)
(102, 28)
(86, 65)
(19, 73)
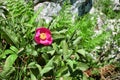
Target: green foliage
(70, 54)
(85, 29)
(64, 17)
(106, 6)
(10, 60)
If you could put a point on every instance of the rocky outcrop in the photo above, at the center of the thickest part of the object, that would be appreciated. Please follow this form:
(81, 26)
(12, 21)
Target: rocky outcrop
(116, 5)
(49, 10)
(52, 7)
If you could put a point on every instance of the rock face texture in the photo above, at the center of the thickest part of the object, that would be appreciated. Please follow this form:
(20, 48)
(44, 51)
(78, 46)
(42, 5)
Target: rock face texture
(116, 5)
(49, 9)
(81, 6)
(52, 7)
(40, 1)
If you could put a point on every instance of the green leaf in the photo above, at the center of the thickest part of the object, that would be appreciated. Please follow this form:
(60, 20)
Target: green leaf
(76, 41)
(34, 53)
(82, 52)
(48, 66)
(82, 66)
(61, 70)
(55, 47)
(46, 69)
(32, 65)
(14, 49)
(6, 52)
(39, 68)
(45, 57)
(8, 64)
(7, 36)
(63, 31)
(33, 76)
(65, 49)
(10, 60)
(57, 59)
(33, 19)
(51, 52)
(58, 36)
(70, 63)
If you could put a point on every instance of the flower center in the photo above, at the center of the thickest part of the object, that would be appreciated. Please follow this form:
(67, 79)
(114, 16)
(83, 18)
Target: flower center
(43, 36)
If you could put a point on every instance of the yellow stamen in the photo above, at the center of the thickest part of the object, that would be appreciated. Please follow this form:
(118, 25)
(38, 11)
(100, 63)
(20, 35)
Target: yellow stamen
(43, 36)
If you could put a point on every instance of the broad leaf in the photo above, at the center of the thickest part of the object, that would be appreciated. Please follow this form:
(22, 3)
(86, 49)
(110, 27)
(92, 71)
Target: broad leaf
(14, 49)
(65, 49)
(82, 66)
(8, 64)
(6, 52)
(61, 71)
(33, 76)
(48, 66)
(76, 41)
(82, 52)
(10, 39)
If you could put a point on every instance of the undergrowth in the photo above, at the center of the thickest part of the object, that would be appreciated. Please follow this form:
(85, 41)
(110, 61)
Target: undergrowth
(69, 55)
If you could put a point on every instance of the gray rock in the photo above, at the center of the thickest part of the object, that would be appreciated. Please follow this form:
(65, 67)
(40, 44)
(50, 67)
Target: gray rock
(50, 9)
(76, 4)
(81, 6)
(39, 1)
(116, 5)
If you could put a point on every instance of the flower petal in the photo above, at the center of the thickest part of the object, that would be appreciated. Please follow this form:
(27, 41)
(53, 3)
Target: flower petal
(43, 30)
(46, 42)
(38, 40)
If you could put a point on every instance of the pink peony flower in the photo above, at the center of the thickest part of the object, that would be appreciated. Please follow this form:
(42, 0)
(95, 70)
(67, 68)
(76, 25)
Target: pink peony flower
(43, 36)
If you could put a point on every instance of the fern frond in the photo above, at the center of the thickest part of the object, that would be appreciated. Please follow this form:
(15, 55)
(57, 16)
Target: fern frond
(63, 20)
